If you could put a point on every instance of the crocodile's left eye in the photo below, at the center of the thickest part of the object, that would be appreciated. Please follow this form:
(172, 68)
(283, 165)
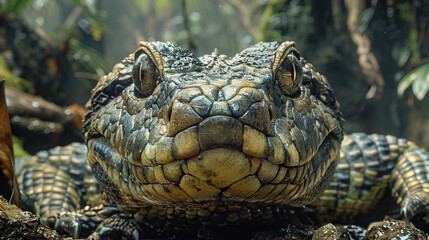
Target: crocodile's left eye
(145, 74)
(289, 74)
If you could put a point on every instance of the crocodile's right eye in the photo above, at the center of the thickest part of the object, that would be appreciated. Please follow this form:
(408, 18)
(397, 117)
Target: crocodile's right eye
(145, 74)
(289, 74)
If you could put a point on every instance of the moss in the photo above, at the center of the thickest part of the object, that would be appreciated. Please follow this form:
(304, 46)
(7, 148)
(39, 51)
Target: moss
(11, 79)
(17, 148)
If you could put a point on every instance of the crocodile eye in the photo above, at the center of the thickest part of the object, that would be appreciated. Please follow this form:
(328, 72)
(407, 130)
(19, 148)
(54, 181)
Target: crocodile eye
(145, 74)
(289, 75)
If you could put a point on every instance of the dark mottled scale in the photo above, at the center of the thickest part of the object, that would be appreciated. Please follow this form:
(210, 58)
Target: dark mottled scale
(62, 179)
(299, 122)
(410, 180)
(371, 165)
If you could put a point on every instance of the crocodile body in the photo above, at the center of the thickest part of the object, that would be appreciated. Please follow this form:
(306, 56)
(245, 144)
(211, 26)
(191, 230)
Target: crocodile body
(180, 142)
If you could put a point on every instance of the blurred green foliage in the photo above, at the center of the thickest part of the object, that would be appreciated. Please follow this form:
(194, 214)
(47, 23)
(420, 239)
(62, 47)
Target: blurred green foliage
(418, 79)
(96, 18)
(64, 26)
(293, 18)
(13, 80)
(89, 59)
(18, 150)
(267, 15)
(15, 7)
(411, 51)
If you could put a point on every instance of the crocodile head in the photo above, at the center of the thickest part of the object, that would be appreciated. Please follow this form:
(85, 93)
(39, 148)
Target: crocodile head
(166, 127)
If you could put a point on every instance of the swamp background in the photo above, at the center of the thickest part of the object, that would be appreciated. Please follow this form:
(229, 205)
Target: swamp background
(375, 53)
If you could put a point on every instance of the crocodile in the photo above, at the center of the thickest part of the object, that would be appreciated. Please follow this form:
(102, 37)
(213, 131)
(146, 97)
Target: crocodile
(176, 143)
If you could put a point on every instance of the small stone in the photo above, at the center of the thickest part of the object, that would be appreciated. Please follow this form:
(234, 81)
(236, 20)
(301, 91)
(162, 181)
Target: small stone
(393, 229)
(328, 232)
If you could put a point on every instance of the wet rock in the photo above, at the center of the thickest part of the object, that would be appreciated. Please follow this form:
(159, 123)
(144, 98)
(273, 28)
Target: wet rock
(326, 232)
(18, 224)
(295, 232)
(307, 232)
(392, 229)
(351, 232)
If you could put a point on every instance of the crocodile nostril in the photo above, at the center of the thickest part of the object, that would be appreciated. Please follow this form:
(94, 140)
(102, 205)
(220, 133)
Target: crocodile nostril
(270, 111)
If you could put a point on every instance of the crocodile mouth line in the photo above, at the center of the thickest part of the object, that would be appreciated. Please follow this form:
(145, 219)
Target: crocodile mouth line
(195, 140)
(97, 136)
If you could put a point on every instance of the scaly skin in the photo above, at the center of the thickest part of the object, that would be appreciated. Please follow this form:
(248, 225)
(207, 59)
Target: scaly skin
(179, 141)
(214, 130)
(369, 166)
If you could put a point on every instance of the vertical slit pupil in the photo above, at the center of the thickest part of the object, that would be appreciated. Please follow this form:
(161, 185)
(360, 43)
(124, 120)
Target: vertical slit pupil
(144, 74)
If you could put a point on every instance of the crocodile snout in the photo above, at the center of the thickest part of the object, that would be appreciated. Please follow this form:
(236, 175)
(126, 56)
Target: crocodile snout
(220, 112)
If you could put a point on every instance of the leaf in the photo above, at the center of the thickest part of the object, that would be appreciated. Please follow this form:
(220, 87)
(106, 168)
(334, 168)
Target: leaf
(97, 29)
(18, 150)
(401, 53)
(91, 59)
(15, 6)
(85, 8)
(421, 84)
(365, 18)
(96, 22)
(418, 78)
